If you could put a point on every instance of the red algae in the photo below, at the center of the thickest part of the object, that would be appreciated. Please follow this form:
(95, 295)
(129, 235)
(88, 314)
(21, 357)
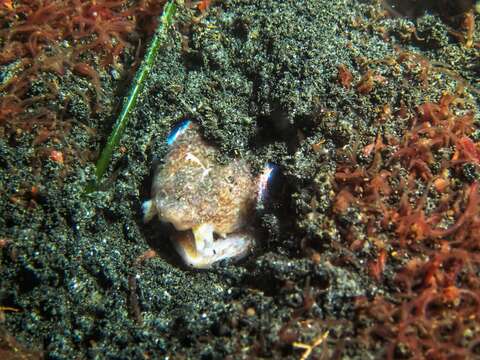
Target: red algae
(428, 219)
(51, 36)
(344, 76)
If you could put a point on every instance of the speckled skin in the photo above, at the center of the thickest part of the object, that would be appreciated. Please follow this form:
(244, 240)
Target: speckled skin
(192, 191)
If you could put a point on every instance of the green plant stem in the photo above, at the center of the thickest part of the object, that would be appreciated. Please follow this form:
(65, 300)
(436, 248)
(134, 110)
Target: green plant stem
(130, 102)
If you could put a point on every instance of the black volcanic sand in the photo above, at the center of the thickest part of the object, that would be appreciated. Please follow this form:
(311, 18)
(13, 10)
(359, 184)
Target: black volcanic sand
(261, 79)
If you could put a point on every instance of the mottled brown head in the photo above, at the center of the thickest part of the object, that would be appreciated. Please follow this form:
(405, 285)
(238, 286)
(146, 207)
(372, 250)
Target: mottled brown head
(191, 188)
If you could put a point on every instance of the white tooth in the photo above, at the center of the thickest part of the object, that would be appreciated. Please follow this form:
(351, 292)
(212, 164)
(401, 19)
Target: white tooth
(203, 236)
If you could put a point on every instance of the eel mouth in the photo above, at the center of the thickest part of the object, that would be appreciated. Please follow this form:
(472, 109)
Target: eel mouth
(203, 254)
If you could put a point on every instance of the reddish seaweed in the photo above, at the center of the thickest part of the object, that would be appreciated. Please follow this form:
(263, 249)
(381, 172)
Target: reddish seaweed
(422, 221)
(61, 37)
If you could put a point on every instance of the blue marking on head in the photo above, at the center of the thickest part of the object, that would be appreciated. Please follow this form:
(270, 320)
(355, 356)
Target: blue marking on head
(177, 131)
(265, 178)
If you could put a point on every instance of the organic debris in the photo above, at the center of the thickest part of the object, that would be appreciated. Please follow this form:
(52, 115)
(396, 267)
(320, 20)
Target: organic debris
(310, 347)
(131, 99)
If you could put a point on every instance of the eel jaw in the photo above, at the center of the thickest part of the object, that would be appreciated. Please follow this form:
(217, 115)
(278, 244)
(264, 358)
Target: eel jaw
(203, 252)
